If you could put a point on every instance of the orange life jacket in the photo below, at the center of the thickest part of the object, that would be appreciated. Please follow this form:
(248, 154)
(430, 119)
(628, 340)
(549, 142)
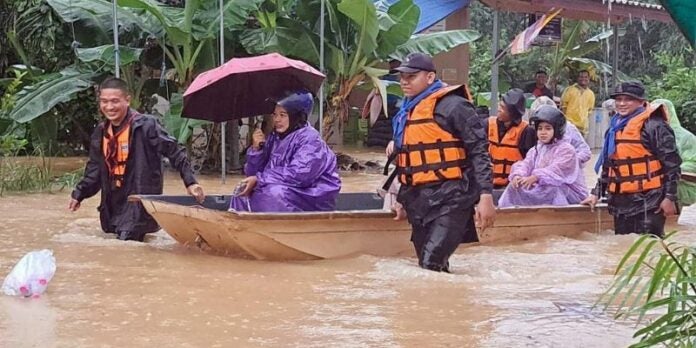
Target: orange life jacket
(115, 149)
(428, 152)
(633, 168)
(504, 152)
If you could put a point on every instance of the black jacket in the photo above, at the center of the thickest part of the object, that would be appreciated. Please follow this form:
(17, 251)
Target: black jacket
(149, 142)
(658, 137)
(426, 202)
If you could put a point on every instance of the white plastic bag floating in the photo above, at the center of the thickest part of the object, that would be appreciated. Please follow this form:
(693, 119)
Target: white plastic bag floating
(30, 276)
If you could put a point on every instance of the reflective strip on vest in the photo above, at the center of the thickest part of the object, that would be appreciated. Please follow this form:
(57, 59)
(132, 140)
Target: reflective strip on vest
(504, 152)
(633, 168)
(430, 153)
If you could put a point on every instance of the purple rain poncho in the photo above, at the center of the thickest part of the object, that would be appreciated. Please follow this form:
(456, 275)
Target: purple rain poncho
(560, 178)
(573, 136)
(295, 173)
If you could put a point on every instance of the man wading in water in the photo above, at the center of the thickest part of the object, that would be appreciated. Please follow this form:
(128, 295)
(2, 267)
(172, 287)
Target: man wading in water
(125, 158)
(442, 163)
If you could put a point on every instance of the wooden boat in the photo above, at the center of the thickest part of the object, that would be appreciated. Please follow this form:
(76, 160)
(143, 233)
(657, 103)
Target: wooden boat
(357, 226)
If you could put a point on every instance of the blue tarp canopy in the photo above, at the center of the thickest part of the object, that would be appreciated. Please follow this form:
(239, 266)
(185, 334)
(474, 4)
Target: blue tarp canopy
(432, 11)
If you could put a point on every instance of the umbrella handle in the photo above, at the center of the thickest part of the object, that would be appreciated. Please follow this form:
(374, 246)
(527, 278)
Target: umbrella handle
(259, 125)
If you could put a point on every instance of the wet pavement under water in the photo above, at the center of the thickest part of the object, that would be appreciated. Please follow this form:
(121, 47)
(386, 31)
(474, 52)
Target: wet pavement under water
(109, 293)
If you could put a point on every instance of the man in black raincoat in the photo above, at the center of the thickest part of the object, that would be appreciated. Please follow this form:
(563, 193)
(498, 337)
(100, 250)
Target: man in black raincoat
(442, 163)
(125, 158)
(639, 163)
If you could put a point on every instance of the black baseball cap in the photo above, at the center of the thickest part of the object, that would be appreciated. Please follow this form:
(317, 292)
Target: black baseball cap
(634, 89)
(414, 63)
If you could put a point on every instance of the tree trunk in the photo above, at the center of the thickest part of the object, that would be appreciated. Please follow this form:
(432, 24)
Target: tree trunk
(336, 114)
(333, 126)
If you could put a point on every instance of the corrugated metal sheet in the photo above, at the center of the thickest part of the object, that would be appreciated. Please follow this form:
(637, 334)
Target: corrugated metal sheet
(432, 11)
(644, 4)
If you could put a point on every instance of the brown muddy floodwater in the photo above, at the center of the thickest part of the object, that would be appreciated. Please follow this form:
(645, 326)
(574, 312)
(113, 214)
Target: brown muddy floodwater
(108, 293)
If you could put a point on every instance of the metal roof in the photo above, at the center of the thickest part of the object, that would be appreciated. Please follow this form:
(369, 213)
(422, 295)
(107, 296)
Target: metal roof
(644, 3)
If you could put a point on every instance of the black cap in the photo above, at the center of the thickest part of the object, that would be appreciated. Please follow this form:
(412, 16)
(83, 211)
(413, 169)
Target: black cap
(514, 102)
(414, 63)
(633, 89)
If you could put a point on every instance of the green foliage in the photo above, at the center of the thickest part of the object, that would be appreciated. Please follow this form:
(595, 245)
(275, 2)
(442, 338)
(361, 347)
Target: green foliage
(38, 99)
(640, 38)
(480, 67)
(42, 34)
(358, 37)
(677, 83)
(656, 280)
(186, 36)
(179, 127)
(9, 98)
(25, 174)
(10, 145)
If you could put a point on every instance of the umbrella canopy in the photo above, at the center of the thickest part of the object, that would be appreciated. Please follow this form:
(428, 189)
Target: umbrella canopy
(242, 86)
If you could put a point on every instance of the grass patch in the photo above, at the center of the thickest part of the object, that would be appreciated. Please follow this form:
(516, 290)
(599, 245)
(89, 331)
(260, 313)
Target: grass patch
(28, 177)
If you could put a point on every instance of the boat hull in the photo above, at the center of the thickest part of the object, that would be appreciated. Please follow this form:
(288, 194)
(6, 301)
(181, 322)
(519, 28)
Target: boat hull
(343, 233)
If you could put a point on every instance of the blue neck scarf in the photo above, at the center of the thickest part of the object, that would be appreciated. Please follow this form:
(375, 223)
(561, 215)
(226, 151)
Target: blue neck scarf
(399, 120)
(618, 123)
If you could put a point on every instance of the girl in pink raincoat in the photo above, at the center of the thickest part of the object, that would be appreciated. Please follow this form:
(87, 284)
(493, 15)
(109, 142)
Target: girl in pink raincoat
(550, 174)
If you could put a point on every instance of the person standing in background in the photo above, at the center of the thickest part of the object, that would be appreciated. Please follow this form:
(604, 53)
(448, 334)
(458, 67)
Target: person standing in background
(577, 101)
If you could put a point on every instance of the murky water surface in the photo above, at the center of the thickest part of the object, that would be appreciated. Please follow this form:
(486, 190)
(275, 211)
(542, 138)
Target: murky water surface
(109, 293)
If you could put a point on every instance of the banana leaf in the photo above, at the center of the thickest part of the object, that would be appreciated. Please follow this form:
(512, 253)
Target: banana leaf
(35, 100)
(435, 43)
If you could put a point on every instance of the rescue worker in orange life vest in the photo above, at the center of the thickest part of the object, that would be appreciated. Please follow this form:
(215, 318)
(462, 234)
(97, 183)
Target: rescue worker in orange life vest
(125, 158)
(442, 164)
(639, 164)
(510, 137)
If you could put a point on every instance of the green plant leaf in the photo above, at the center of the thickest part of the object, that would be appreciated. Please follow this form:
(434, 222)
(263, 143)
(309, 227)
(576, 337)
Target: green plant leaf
(36, 100)
(105, 54)
(290, 38)
(404, 15)
(435, 43)
(206, 21)
(98, 14)
(179, 127)
(171, 19)
(364, 15)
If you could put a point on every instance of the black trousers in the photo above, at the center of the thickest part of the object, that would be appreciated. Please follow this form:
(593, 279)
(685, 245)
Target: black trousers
(648, 222)
(437, 240)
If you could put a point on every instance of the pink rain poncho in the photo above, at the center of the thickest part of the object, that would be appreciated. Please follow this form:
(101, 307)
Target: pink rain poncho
(295, 173)
(560, 179)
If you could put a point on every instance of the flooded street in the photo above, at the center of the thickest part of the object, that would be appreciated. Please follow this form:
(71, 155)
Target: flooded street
(109, 293)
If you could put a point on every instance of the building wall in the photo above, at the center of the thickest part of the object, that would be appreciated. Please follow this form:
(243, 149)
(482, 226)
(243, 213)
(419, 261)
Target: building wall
(453, 66)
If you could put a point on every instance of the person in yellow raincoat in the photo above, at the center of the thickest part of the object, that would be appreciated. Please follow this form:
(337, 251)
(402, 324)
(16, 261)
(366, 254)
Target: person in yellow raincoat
(686, 144)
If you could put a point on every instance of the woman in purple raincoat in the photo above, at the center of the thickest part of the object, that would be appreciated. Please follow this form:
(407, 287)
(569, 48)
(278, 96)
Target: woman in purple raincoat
(293, 170)
(550, 174)
(571, 133)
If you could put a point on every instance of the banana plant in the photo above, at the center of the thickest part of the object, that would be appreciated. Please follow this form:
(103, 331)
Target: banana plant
(37, 99)
(570, 55)
(358, 37)
(186, 35)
